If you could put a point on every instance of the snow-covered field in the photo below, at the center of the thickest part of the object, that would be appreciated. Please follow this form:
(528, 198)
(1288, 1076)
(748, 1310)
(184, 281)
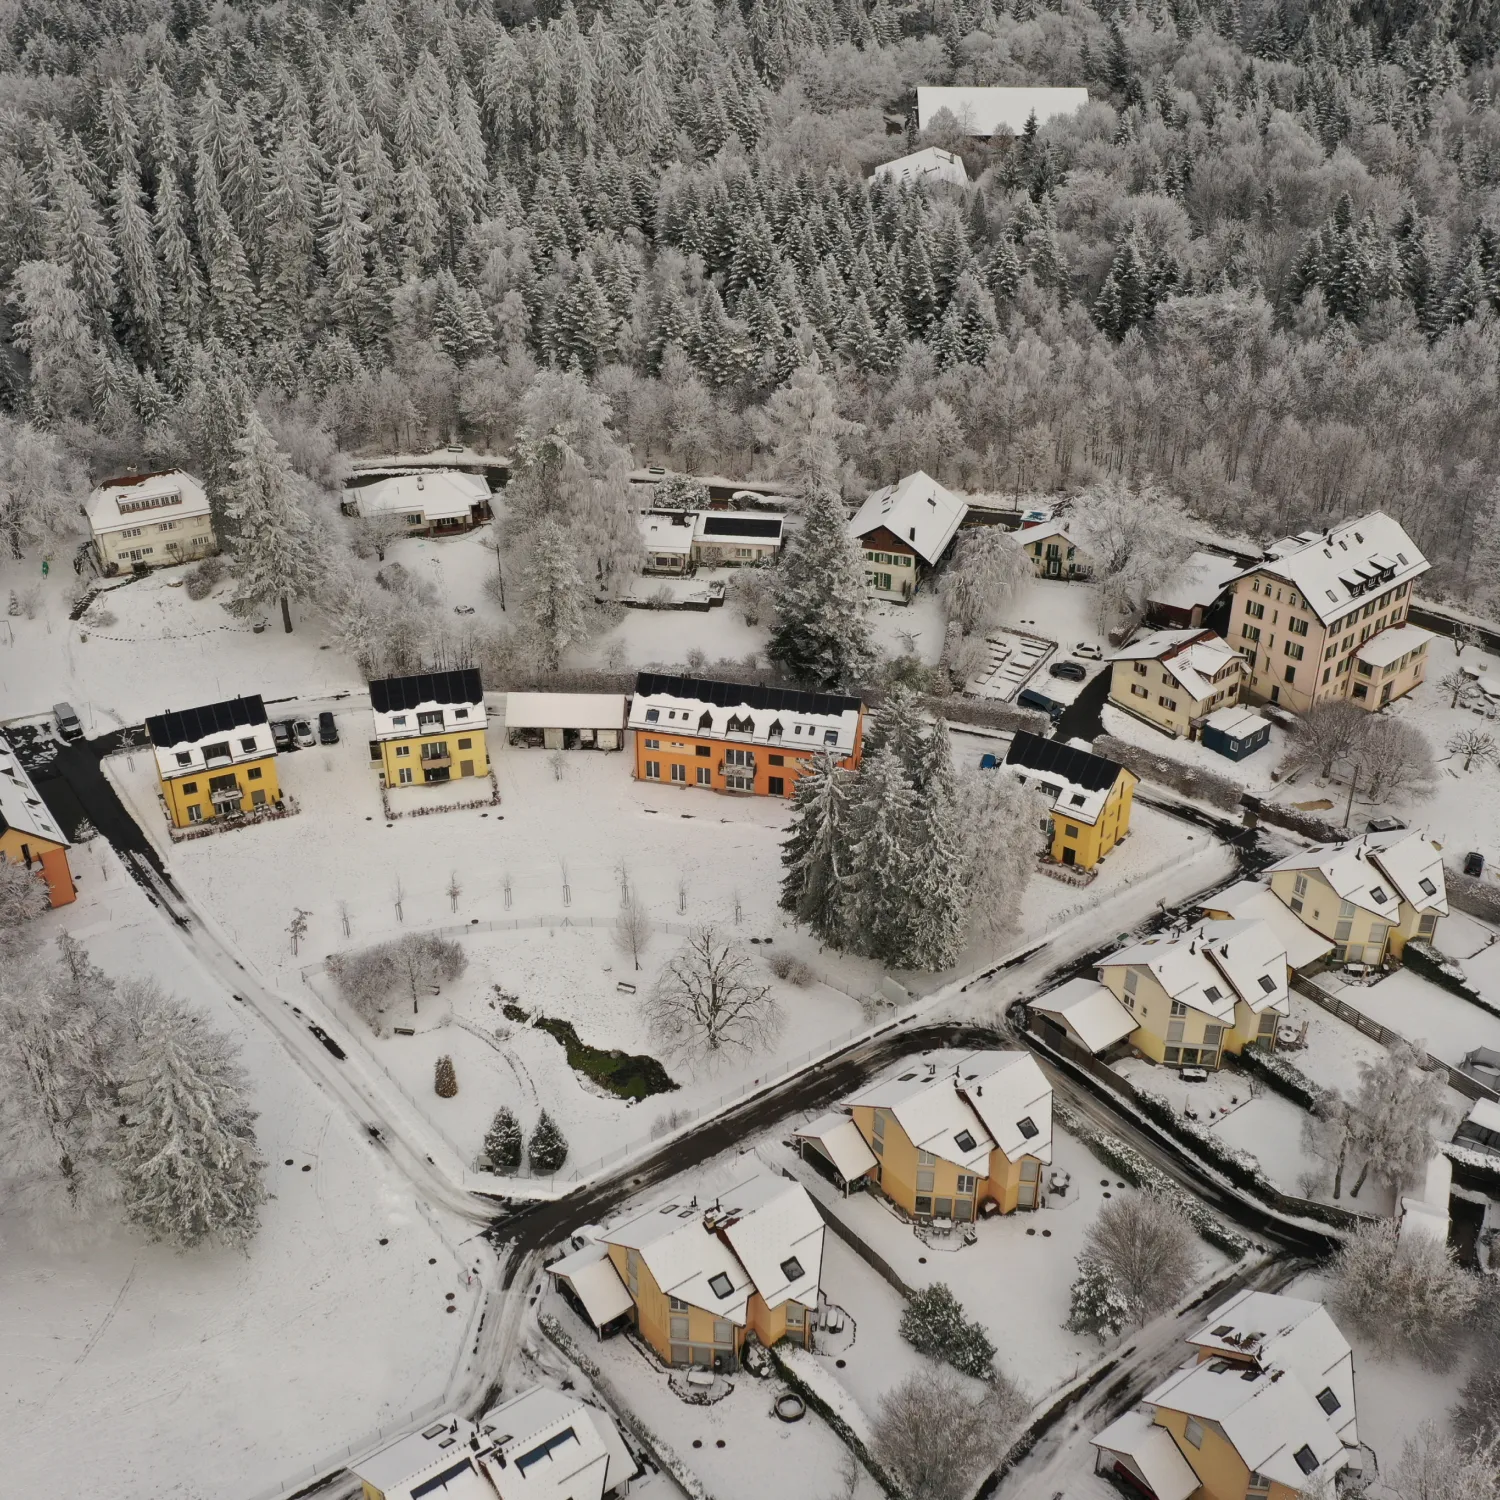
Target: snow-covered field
(1445, 1024)
(131, 1370)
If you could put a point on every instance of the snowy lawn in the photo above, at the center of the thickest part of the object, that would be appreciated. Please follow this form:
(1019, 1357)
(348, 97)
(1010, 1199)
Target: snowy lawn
(1063, 612)
(1253, 773)
(211, 1372)
(1445, 1024)
(1334, 1050)
(918, 626)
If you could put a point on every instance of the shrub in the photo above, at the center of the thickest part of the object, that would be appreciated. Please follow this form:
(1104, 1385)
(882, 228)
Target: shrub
(1098, 1303)
(502, 1143)
(549, 1148)
(205, 577)
(789, 967)
(933, 1323)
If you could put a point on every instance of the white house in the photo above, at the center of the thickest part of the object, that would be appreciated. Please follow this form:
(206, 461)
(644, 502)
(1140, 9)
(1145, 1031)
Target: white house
(904, 530)
(997, 111)
(149, 521)
(731, 539)
(432, 503)
(929, 165)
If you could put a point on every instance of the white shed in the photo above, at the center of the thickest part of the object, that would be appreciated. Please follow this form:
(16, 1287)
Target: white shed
(566, 721)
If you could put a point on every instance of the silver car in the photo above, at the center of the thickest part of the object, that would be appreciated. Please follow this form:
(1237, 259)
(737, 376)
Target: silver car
(304, 734)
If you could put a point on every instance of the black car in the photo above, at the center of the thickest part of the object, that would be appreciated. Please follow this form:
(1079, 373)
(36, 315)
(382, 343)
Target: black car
(1030, 698)
(1384, 825)
(328, 730)
(281, 732)
(1474, 864)
(1074, 671)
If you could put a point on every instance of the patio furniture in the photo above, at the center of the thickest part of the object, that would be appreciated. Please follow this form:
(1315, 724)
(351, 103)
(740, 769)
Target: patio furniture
(942, 1226)
(701, 1378)
(833, 1320)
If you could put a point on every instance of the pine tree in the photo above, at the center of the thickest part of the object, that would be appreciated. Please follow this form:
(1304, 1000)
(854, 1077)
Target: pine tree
(181, 281)
(502, 1144)
(1122, 300)
(548, 1149)
(1097, 1304)
(187, 1155)
(138, 267)
(557, 595)
(444, 1078)
(822, 636)
(79, 239)
(276, 552)
(938, 891)
(815, 853)
(880, 914)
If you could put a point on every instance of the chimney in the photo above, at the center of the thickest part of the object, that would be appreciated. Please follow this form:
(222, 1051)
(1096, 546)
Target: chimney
(911, 533)
(420, 484)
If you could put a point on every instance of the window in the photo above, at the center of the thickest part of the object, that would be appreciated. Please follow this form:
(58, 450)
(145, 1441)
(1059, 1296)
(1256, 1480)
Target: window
(966, 1183)
(184, 758)
(1296, 626)
(791, 1268)
(721, 1286)
(466, 744)
(704, 750)
(679, 773)
(1212, 1035)
(776, 786)
(253, 774)
(1255, 610)
(1132, 978)
(195, 814)
(1250, 632)
(1138, 691)
(879, 1122)
(398, 719)
(1169, 704)
(793, 1314)
(1306, 1459)
(925, 1181)
(653, 715)
(926, 1159)
(1377, 892)
(219, 750)
(1193, 1432)
(1172, 1054)
(460, 713)
(1174, 1031)
(190, 786)
(1327, 1400)
(1300, 885)
(1292, 649)
(248, 745)
(1291, 674)
(1258, 1485)
(257, 799)
(1267, 1025)
(705, 776)
(1267, 984)
(653, 770)
(1027, 1126)
(830, 736)
(1070, 830)
(403, 775)
(678, 1305)
(1211, 992)
(924, 1205)
(1140, 669)
(1178, 1008)
(965, 1141)
(776, 760)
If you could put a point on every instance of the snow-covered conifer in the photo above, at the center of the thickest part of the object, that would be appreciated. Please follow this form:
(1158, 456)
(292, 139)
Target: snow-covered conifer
(558, 597)
(548, 1148)
(816, 854)
(1097, 1304)
(444, 1078)
(502, 1143)
(40, 485)
(933, 1322)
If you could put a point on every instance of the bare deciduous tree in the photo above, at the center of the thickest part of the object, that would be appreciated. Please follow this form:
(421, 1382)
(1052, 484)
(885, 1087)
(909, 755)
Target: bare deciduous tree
(1472, 744)
(1433, 1467)
(937, 1432)
(1399, 1114)
(366, 978)
(1149, 1247)
(1457, 684)
(632, 928)
(706, 1005)
(398, 898)
(1396, 759)
(346, 921)
(297, 927)
(23, 898)
(455, 890)
(423, 959)
(1326, 736)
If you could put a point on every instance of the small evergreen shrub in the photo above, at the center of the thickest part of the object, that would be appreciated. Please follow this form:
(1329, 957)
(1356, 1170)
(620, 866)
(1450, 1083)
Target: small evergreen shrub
(934, 1324)
(445, 1080)
(549, 1148)
(1099, 1305)
(502, 1143)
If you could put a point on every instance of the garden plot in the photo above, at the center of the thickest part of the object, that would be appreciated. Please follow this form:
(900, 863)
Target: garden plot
(917, 628)
(211, 1372)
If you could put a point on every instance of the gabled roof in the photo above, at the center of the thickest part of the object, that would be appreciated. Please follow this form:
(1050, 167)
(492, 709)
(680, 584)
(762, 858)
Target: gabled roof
(743, 695)
(399, 694)
(565, 710)
(1414, 866)
(1009, 1091)
(1079, 781)
(668, 530)
(1392, 644)
(188, 726)
(595, 1282)
(1254, 901)
(21, 806)
(1376, 871)
(1212, 964)
(551, 1445)
(143, 499)
(438, 495)
(779, 718)
(1196, 582)
(1151, 1449)
(1089, 1011)
(1237, 721)
(838, 1138)
(918, 511)
(986, 111)
(1337, 568)
(441, 1445)
(929, 165)
(1193, 657)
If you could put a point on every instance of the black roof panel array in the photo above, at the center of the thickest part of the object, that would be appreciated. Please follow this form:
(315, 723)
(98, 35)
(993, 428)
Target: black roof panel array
(1092, 772)
(198, 723)
(396, 694)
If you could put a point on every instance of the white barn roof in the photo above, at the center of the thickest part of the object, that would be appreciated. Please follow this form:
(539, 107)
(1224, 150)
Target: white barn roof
(918, 511)
(988, 111)
(929, 165)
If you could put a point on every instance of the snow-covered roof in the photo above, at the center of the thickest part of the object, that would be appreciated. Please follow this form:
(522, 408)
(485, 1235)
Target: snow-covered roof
(1151, 1449)
(1421, 1221)
(1088, 1010)
(963, 1105)
(838, 1138)
(985, 111)
(762, 1235)
(1335, 569)
(1254, 901)
(134, 499)
(1375, 871)
(21, 807)
(1078, 781)
(1269, 1416)
(1237, 721)
(781, 717)
(439, 495)
(1196, 582)
(551, 1445)
(1212, 963)
(918, 512)
(441, 1445)
(1391, 645)
(1198, 660)
(593, 1277)
(929, 165)
(1485, 1114)
(668, 531)
(565, 710)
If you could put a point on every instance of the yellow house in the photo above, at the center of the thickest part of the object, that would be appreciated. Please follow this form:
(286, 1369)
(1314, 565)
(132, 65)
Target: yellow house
(947, 1134)
(1175, 678)
(429, 728)
(1053, 553)
(217, 761)
(697, 1279)
(1323, 616)
(1264, 1410)
(29, 834)
(1369, 897)
(1216, 988)
(1091, 797)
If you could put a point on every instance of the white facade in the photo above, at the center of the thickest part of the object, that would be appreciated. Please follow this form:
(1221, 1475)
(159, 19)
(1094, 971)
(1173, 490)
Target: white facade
(215, 749)
(150, 520)
(778, 726)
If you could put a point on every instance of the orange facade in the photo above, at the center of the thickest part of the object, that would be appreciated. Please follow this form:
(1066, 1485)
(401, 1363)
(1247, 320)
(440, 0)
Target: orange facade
(766, 770)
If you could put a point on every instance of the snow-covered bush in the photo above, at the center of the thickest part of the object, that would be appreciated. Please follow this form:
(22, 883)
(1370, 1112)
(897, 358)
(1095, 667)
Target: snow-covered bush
(414, 965)
(1432, 1465)
(679, 492)
(502, 1143)
(789, 967)
(1097, 1304)
(444, 1078)
(1147, 1245)
(203, 578)
(549, 1148)
(23, 898)
(933, 1323)
(1283, 1076)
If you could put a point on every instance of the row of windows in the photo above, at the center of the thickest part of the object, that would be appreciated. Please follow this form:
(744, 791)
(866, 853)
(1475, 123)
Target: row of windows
(431, 719)
(434, 748)
(195, 809)
(744, 781)
(890, 559)
(190, 788)
(219, 750)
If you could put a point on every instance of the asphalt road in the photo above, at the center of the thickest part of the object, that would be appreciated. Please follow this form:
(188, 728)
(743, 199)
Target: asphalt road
(1083, 718)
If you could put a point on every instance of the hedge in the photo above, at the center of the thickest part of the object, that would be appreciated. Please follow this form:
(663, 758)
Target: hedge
(1189, 780)
(1309, 825)
(1471, 895)
(1277, 1073)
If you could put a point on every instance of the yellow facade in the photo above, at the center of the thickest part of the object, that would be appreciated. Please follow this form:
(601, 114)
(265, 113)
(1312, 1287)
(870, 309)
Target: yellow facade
(927, 1186)
(1222, 1473)
(1361, 935)
(1176, 1034)
(1085, 844)
(683, 1334)
(1148, 690)
(443, 755)
(201, 796)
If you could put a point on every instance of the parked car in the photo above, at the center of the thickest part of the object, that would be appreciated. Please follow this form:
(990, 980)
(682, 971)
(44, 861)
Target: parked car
(302, 732)
(328, 729)
(1474, 864)
(1384, 825)
(1030, 698)
(1089, 651)
(68, 725)
(1072, 670)
(281, 732)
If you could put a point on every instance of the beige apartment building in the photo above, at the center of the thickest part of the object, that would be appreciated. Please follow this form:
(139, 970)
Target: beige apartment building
(149, 521)
(1323, 616)
(1176, 678)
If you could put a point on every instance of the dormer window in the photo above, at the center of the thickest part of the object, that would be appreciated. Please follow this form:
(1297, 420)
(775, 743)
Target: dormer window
(1377, 893)
(706, 723)
(184, 758)
(398, 719)
(775, 731)
(460, 713)
(830, 736)
(721, 1286)
(247, 745)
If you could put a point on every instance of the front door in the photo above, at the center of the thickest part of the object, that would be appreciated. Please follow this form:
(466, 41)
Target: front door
(1070, 857)
(1031, 1172)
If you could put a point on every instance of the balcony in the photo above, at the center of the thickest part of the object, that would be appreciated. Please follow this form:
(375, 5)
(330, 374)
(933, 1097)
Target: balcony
(744, 767)
(437, 762)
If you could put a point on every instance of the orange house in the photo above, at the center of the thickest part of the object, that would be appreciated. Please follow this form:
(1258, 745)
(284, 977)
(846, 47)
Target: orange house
(29, 834)
(727, 737)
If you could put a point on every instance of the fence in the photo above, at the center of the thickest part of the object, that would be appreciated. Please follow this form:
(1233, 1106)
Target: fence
(1470, 1088)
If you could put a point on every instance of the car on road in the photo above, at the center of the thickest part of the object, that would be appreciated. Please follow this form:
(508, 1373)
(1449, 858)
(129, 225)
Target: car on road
(328, 729)
(302, 732)
(1474, 864)
(1074, 671)
(1089, 651)
(1384, 825)
(1030, 698)
(281, 732)
(68, 725)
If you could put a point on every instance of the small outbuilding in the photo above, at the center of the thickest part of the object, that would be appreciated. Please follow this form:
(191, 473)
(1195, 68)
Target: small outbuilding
(565, 721)
(1236, 731)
